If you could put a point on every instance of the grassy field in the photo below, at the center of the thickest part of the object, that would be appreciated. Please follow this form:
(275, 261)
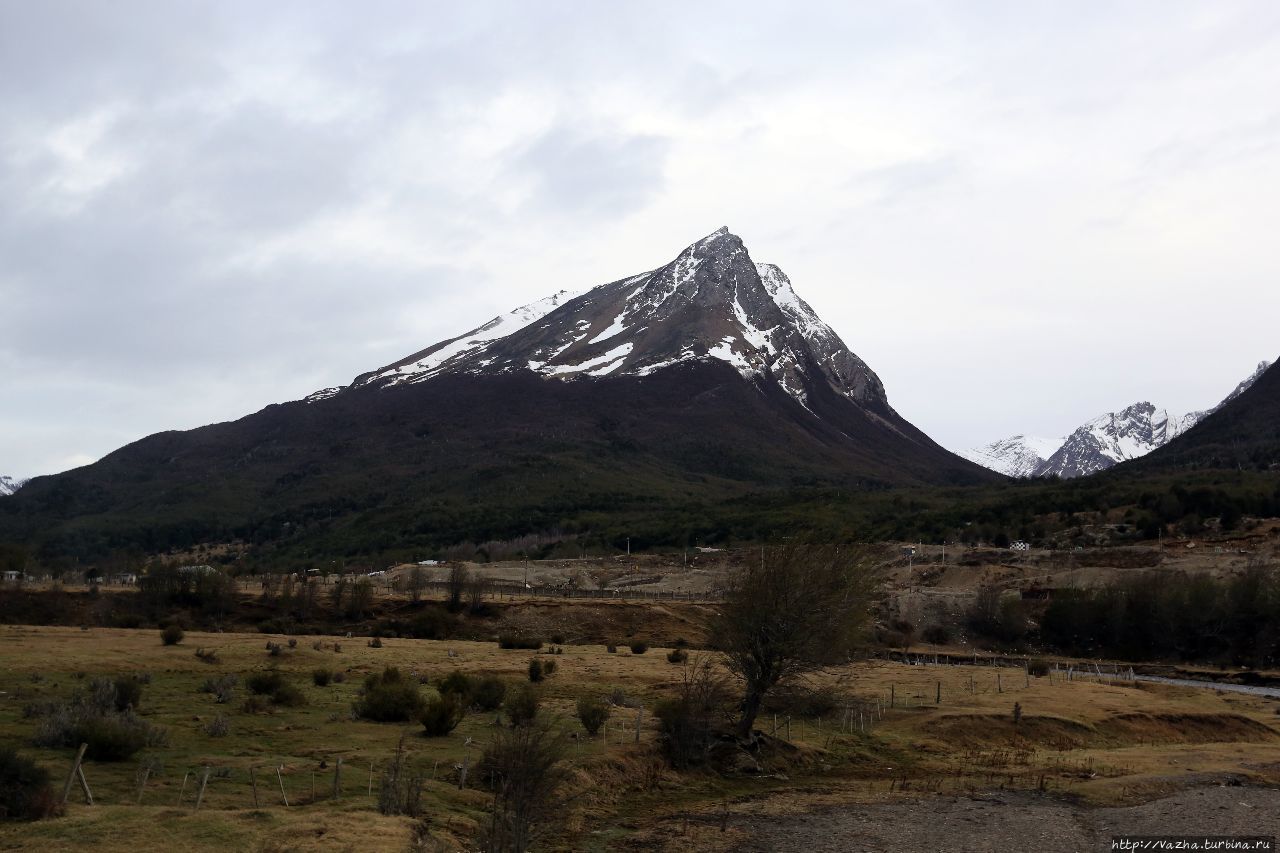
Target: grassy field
(1099, 743)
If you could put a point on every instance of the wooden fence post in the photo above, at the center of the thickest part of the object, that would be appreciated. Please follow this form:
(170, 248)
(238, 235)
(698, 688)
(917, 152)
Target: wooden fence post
(84, 784)
(253, 780)
(204, 780)
(639, 720)
(937, 697)
(142, 786)
(337, 779)
(183, 789)
(75, 768)
(371, 778)
(280, 779)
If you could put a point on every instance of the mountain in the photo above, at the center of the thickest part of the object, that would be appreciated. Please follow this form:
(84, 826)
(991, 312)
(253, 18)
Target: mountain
(650, 406)
(9, 485)
(1242, 433)
(1114, 437)
(1099, 443)
(1016, 456)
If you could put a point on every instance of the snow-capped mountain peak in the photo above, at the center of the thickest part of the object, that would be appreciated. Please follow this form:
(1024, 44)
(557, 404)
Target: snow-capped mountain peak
(1016, 456)
(9, 485)
(1099, 443)
(711, 302)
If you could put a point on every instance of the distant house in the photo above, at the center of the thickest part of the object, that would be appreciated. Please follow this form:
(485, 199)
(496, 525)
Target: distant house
(12, 575)
(705, 550)
(1019, 546)
(124, 579)
(908, 550)
(202, 569)
(428, 562)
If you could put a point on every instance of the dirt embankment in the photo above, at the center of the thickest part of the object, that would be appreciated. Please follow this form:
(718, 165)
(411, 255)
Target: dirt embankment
(1006, 821)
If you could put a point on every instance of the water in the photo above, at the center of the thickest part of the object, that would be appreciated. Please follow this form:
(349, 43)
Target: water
(1273, 692)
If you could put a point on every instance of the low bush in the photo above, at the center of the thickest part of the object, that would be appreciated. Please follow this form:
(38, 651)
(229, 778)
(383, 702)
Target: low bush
(289, 695)
(97, 718)
(441, 714)
(557, 639)
(255, 704)
(293, 642)
(25, 792)
(522, 707)
(265, 682)
(171, 634)
(678, 656)
(389, 697)
(535, 670)
(321, 677)
(219, 726)
(272, 685)
(514, 641)
(1038, 667)
(489, 693)
(457, 683)
(128, 693)
(639, 647)
(375, 643)
(548, 667)
(611, 649)
(592, 713)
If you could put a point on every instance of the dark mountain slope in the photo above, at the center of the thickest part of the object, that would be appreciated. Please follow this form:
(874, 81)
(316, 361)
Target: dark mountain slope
(1244, 434)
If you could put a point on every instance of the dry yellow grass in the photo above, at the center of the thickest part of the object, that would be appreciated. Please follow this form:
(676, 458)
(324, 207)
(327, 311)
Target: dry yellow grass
(1099, 742)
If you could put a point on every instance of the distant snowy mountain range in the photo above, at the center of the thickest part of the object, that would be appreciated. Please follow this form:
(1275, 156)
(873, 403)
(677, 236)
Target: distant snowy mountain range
(1097, 444)
(9, 485)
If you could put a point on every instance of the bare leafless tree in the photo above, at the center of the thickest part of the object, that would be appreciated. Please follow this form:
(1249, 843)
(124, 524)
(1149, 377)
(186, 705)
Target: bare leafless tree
(800, 608)
(417, 583)
(523, 766)
(456, 586)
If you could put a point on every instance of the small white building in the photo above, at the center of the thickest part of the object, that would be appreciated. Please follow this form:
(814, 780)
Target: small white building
(1019, 545)
(12, 575)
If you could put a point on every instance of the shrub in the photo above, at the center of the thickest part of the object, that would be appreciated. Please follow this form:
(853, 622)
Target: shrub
(514, 641)
(128, 693)
(522, 707)
(171, 634)
(111, 738)
(255, 704)
(265, 682)
(389, 697)
(548, 667)
(592, 713)
(271, 684)
(489, 693)
(938, 635)
(94, 718)
(293, 642)
(457, 683)
(219, 726)
(678, 656)
(289, 696)
(339, 677)
(25, 792)
(535, 670)
(375, 643)
(1038, 667)
(274, 650)
(688, 722)
(558, 639)
(209, 656)
(321, 677)
(611, 649)
(639, 647)
(523, 767)
(400, 792)
(317, 645)
(441, 715)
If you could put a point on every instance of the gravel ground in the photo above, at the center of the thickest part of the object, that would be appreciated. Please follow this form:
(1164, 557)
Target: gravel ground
(1013, 822)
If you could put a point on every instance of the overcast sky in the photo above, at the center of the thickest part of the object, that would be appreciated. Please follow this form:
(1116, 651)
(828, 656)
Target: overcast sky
(1020, 214)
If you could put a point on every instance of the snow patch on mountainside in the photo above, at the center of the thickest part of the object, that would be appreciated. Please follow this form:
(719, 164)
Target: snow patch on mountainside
(9, 485)
(712, 302)
(1099, 443)
(1016, 456)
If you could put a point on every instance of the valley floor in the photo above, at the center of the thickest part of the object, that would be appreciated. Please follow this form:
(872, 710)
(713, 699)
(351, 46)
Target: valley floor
(909, 757)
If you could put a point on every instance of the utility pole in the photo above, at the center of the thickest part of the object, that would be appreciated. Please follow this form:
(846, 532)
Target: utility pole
(628, 546)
